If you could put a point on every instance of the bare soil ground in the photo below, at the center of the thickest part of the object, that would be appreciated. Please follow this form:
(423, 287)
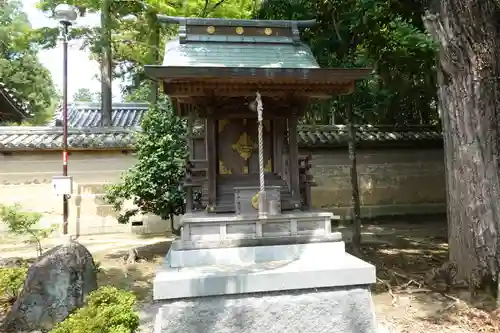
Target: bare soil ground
(403, 251)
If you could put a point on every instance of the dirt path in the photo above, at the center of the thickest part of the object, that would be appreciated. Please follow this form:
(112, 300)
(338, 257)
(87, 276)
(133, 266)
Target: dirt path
(406, 247)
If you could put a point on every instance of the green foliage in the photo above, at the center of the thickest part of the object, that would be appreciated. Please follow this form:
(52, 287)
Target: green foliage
(154, 183)
(140, 93)
(85, 95)
(25, 224)
(133, 43)
(108, 310)
(387, 36)
(11, 282)
(20, 69)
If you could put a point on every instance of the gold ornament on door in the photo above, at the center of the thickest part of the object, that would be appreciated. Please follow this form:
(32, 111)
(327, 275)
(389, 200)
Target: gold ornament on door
(244, 146)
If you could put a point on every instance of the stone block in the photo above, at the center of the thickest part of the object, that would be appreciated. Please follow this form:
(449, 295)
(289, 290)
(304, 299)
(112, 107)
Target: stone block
(276, 228)
(328, 310)
(238, 229)
(252, 255)
(302, 273)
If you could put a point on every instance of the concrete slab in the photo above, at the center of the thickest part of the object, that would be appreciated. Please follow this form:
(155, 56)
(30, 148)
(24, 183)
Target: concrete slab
(303, 273)
(332, 310)
(254, 254)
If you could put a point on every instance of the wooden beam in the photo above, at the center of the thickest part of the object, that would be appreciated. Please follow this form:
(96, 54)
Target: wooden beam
(229, 89)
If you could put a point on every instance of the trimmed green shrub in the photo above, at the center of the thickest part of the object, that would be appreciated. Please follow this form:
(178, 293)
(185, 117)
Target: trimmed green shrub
(11, 282)
(108, 310)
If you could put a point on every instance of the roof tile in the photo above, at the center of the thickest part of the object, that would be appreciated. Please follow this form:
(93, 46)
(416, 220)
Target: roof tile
(36, 138)
(84, 114)
(210, 54)
(13, 109)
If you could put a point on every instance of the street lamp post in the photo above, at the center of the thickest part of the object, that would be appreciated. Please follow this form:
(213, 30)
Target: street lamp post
(66, 15)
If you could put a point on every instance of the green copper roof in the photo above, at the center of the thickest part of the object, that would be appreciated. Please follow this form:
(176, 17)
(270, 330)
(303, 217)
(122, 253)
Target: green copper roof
(218, 43)
(243, 54)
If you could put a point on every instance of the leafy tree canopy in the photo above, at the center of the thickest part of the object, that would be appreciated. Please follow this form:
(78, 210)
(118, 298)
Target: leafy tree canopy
(131, 39)
(20, 68)
(385, 35)
(85, 95)
(153, 183)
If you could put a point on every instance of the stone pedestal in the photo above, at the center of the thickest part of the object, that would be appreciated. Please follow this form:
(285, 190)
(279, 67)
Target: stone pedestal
(329, 310)
(293, 277)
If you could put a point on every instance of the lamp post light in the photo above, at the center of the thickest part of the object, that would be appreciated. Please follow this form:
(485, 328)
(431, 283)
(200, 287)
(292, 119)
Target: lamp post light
(66, 15)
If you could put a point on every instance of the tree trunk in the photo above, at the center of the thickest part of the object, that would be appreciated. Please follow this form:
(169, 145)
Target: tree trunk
(106, 65)
(153, 48)
(468, 52)
(356, 209)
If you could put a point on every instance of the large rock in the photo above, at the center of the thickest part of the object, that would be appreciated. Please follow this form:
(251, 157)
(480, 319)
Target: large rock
(56, 284)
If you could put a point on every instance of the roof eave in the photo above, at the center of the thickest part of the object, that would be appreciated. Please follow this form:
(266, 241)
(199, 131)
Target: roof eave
(278, 75)
(236, 22)
(17, 114)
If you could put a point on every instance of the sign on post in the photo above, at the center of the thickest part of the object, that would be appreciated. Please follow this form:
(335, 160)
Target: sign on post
(62, 185)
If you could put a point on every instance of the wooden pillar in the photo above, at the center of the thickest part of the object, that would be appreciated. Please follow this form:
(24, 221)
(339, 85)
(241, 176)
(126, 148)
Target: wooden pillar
(278, 137)
(189, 142)
(211, 153)
(294, 158)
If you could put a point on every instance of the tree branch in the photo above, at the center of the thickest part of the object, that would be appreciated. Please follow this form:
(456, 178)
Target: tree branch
(205, 8)
(217, 5)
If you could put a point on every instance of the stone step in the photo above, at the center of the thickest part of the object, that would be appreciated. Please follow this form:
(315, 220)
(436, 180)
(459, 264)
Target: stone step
(300, 274)
(253, 255)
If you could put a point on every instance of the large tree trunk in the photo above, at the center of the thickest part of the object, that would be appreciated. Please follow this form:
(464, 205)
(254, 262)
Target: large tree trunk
(153, 48)
(106, 64)
(468, 41)
(356, 205)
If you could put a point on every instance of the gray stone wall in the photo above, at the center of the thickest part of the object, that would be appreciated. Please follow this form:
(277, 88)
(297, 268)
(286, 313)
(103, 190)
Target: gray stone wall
(391, 181)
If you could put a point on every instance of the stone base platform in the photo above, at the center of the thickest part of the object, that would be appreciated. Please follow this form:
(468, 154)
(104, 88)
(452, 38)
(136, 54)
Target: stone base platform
(240, 270)
(201, 226)
(285, 273)
(326, 310)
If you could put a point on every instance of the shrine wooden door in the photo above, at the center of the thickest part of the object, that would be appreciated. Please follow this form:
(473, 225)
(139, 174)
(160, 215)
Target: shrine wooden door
(237, 146)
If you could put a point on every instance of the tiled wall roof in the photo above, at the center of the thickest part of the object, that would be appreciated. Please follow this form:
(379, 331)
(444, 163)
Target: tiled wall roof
(30, 138)
(337, 135)
(84, 114)
(85, 132)
(50, 138)
(15, 110)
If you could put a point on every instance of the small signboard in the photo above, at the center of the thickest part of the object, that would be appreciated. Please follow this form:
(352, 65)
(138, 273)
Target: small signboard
(62, 185)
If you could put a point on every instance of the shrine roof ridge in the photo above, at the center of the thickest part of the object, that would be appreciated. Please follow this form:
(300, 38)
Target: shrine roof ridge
(236, 22)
